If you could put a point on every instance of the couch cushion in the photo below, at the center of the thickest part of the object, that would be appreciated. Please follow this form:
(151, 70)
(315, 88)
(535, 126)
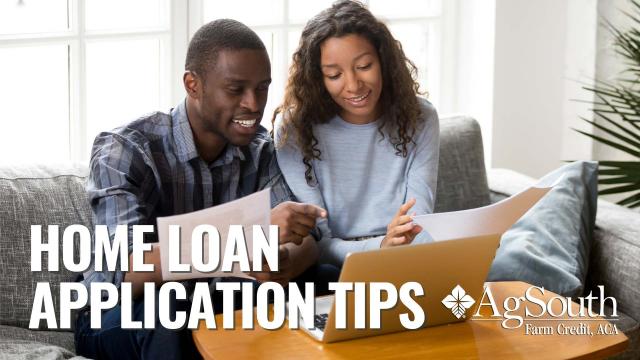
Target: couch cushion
(549, 246)
(462, 178)
(30, 350)
(36, 195)
(61, 339)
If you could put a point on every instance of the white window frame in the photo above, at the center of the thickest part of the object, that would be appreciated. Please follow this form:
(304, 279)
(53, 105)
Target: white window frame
(446, 39)
(183, 19)
(173, 38)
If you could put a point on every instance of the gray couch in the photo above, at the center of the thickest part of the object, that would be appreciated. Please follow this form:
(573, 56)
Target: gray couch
(55, 195)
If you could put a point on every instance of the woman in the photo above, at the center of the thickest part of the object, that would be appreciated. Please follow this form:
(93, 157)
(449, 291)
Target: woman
(353, 137)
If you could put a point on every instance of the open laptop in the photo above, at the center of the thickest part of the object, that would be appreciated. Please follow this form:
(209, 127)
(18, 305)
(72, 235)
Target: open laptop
(466, 244)
(439, 267)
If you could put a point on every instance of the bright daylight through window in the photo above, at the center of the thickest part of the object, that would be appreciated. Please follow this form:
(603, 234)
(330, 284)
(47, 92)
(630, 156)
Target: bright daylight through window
(72, 68)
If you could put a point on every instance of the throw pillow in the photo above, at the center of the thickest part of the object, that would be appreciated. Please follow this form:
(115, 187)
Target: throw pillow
(549, 246)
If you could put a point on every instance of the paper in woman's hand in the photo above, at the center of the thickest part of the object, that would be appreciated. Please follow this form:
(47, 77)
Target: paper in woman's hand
(493, 219)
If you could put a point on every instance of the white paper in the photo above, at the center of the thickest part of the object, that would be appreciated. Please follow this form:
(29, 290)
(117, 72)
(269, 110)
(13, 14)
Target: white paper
(254, 209)
(493, 219)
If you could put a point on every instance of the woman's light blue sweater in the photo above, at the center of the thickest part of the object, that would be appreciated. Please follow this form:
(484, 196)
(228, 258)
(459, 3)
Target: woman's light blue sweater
(361, 181)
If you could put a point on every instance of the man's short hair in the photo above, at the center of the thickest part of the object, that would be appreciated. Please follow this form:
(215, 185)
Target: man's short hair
(222, 34)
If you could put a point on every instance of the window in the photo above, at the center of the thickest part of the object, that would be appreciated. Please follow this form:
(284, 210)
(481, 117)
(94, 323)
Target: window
(416, 23)
(72, 68)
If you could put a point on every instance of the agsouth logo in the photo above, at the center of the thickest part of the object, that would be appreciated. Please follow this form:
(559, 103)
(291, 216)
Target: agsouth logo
(534, 305)
(458, 301)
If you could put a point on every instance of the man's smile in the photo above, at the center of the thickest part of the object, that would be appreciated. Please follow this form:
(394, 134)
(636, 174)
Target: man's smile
(245, 122)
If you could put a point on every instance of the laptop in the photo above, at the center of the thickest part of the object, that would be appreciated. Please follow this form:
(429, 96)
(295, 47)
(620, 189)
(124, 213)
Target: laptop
(466, 244)
(439, 267)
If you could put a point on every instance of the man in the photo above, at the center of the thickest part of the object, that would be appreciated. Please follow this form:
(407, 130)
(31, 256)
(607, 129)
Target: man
(209, 150)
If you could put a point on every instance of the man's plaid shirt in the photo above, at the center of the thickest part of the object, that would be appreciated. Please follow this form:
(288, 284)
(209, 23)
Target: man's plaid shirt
(151, 168)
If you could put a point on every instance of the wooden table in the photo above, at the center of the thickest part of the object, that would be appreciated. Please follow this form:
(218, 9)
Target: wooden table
(464, 340)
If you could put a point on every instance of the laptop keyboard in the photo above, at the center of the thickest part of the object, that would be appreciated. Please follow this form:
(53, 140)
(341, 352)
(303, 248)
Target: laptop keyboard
(320, 321)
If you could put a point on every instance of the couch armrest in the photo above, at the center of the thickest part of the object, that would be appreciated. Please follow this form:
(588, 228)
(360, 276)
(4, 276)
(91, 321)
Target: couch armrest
(615, 255)
(505, 182)
(615, 252)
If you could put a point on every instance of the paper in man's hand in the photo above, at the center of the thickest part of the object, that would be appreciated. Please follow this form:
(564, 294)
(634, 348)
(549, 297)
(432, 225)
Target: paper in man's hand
(254, 209)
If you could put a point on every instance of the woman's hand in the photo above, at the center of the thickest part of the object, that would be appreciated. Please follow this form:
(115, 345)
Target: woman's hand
(401, 230)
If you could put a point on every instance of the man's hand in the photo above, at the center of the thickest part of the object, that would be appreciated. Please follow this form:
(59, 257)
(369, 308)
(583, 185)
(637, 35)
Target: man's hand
(285, 269)
(293, 260)
(295, 220)
(137, 279)
(401, 230)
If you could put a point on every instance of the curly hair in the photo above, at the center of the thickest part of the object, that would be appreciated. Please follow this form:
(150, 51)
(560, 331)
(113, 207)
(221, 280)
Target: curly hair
(306, 104)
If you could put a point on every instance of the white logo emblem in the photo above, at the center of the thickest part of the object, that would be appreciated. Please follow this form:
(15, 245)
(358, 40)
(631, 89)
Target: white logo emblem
(458, 301)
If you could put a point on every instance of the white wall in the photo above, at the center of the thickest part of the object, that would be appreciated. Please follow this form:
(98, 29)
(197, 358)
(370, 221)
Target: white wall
(609, 64)
(543, 50)
(474, 65)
